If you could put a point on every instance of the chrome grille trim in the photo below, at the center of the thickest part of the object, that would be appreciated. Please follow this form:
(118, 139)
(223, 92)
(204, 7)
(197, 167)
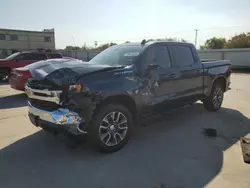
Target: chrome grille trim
(52, 96)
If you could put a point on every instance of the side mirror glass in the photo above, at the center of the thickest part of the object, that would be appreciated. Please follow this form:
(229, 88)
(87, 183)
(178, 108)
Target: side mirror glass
(150, 68)
(153, 66)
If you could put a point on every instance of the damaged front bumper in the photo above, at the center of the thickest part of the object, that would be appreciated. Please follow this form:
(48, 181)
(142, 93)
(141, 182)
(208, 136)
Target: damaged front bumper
(56, 121)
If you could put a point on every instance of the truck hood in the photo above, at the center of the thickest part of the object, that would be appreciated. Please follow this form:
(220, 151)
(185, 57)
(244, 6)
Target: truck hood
(64, 72)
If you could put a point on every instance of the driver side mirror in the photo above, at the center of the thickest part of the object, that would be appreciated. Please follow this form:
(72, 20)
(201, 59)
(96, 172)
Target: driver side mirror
(152, 66)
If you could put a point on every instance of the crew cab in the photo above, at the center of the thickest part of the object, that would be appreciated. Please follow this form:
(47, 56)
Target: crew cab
(21, 59)
(119, 87)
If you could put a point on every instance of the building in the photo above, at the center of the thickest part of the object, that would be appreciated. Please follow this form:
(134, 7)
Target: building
(19, 40)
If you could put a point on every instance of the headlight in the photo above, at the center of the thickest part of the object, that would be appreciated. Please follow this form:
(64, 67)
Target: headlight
(77, 88)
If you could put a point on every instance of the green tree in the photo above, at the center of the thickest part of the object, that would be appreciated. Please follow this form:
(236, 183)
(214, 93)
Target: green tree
(104, 46)
(239, 41)
(72, 48)
(84, 47)
(214, 43)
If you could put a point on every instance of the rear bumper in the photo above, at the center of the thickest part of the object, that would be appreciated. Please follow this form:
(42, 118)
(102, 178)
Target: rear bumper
(55, 121)
(17, 84)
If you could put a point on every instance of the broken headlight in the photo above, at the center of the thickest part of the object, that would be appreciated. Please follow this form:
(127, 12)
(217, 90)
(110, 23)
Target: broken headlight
(76, 88)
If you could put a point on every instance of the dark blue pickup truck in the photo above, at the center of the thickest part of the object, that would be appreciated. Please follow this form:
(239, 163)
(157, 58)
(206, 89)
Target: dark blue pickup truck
(122, 85)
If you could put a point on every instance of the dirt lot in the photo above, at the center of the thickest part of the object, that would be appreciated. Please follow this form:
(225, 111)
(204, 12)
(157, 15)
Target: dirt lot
(170, 153)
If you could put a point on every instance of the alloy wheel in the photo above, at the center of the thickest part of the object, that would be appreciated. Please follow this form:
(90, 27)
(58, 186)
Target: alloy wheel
(113, 128)
(217, 97)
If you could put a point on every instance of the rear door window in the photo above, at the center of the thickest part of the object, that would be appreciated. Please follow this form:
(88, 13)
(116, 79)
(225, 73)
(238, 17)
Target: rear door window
(183, 55)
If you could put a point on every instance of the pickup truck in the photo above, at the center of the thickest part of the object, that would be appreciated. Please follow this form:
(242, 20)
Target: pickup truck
(121, 86)
(21, 59)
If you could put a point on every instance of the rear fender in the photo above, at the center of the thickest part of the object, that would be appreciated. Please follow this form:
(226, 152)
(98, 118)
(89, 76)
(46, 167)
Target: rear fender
(217, 78)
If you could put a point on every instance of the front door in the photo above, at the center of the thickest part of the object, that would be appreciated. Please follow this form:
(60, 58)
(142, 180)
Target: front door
(163, 78)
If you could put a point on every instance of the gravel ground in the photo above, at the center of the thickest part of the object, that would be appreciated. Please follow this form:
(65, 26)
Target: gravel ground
(170, 152)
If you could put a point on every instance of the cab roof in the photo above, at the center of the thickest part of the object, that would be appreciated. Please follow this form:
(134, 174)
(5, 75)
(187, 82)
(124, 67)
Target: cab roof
(146, 43)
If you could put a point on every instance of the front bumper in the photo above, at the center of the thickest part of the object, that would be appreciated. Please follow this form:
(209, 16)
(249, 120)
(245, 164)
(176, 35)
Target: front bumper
(60, 119)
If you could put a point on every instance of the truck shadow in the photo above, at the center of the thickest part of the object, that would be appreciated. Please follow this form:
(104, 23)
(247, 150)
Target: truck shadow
(171, 153)
(13, 101)
(3, 83)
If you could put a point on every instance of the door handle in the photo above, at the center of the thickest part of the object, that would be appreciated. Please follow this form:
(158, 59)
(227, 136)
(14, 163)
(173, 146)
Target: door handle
(172, 75)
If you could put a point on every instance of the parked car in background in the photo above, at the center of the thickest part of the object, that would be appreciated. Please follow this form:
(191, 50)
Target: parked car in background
(125, 83)
(19, 76)
(21, 59)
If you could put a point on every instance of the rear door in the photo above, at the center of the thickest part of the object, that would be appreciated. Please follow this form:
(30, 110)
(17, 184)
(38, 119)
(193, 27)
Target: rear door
(190, 79)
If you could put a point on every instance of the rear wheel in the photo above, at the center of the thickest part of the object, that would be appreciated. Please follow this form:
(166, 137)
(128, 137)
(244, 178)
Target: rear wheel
(214, 101)
(111, 126)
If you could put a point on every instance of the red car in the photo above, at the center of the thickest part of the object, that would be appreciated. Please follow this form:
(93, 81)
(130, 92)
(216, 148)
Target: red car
(19, 76)
(21, 59)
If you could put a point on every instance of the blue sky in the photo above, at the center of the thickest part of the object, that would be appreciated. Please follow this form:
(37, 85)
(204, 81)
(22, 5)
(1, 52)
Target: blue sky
(119, 21)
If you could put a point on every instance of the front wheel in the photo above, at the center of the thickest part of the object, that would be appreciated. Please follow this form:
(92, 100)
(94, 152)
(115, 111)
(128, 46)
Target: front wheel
(214, 101)
(111, 127)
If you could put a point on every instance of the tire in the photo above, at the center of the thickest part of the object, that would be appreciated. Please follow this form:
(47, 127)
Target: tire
(4, 75)
(214, 101)
(109, 132)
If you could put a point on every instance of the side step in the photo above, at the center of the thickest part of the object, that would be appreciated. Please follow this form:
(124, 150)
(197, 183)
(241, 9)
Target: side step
(144, 120)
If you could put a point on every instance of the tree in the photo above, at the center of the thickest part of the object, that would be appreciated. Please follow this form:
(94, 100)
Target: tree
(239, 41)
(72, 48)
(214, 43)
(84, 47)
(104, 46)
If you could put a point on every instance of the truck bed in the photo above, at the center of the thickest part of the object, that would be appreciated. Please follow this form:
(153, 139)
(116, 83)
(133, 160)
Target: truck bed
(212, 64)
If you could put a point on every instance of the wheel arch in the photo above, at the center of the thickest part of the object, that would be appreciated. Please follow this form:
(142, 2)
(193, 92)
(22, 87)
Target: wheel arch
(220, 80)
(124, 100)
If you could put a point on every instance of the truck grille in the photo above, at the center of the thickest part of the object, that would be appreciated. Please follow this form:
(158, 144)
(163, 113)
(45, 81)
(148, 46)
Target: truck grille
(43, 96)
(36, 84)
(44, 105)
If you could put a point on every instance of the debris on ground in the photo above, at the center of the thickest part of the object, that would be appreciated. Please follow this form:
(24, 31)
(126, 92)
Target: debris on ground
(245, 145)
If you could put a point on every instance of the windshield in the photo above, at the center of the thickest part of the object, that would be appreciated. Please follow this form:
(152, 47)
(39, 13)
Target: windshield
(118, 55)
(12, 56)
